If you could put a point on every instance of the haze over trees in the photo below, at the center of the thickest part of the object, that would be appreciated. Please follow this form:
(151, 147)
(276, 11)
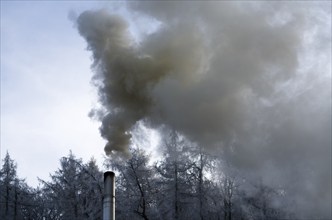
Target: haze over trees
(184, 182)
(248, 82)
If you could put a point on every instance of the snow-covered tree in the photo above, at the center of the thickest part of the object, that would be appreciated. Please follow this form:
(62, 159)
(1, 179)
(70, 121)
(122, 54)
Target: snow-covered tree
(135, 191)
(91, 190)
(8, 181)
(176, 179)
(16, 197)
(75, 190)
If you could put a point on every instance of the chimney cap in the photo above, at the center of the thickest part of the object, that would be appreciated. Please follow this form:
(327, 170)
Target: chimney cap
(109, 173)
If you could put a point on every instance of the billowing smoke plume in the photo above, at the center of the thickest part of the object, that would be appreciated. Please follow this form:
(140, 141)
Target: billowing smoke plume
(252, 79)
(130, 77)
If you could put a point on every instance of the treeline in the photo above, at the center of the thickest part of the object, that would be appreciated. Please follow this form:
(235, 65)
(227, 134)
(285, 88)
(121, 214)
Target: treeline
(74, 192)
(183, 183)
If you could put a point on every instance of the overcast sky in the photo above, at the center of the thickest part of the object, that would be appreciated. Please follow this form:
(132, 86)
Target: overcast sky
(46, 93)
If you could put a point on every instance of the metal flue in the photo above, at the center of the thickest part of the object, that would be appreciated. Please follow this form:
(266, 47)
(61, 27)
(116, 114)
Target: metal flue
(109, 196)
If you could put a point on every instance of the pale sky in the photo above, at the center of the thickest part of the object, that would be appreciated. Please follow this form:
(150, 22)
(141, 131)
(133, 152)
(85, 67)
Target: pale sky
(46, 93)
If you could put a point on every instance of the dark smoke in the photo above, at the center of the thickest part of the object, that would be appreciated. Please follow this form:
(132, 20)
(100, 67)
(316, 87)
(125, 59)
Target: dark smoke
(252, 79)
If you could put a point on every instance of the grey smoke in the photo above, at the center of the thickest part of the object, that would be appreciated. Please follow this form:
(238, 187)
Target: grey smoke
(252, 80)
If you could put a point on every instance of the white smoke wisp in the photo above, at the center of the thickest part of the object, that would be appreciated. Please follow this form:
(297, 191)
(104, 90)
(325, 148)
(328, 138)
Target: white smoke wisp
(252, 79)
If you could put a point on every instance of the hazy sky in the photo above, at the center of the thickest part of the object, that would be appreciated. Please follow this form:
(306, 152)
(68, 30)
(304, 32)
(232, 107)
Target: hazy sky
(46, 90)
